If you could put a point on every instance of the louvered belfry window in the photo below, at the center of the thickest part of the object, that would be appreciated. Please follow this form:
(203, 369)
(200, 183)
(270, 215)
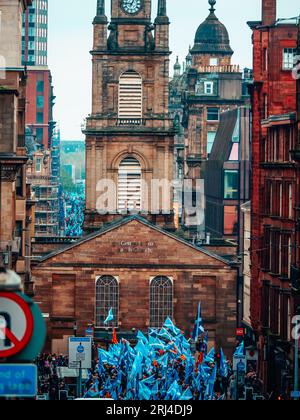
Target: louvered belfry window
(130, 96)
(130, 185)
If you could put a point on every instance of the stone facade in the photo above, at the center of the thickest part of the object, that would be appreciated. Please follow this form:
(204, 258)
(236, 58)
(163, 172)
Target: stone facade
(15, 195)
(274, 194)
(134, 251)
(209, 86)
(131, 252)
(133, 47)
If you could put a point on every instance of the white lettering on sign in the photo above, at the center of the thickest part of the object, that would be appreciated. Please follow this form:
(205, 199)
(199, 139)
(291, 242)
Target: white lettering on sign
(3, 326)
(130, 247)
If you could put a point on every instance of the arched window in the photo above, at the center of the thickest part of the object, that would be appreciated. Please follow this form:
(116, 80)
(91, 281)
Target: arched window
(161, 301)
(130, 185)
(130, 96)
(107, 297)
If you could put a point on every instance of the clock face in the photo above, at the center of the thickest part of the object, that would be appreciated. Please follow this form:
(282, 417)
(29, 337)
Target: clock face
(131, 7)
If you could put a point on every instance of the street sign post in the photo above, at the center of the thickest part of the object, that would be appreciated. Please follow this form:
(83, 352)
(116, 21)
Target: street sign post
(240, 369)
(80, 351)
(239, 364)
(18, 381)
(16, 324)
(22, 328)
(80, 357)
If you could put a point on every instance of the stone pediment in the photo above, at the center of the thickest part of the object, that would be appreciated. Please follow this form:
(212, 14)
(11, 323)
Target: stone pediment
(133, 242)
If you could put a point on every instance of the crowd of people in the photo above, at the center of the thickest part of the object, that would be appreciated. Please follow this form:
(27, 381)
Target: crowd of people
(50, 384)
(161, 366)
(74, 217)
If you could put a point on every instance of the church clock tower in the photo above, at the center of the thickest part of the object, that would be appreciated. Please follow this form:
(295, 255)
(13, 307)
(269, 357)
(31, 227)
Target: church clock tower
(129, 135)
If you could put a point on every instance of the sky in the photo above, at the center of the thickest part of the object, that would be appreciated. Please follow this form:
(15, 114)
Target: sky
(70, 41)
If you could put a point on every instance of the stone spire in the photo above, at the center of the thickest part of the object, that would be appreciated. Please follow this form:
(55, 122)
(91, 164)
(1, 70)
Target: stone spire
(212, 4)
(100, 14)
(100, 7)
(162, 8)
(162, 17)
(177, 68)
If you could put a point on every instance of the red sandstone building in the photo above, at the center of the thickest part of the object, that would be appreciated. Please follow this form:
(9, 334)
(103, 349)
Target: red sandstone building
(15, 195)
(274, 194)
(132, 263)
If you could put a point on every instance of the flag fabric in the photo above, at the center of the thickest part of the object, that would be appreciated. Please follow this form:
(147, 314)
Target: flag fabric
(161, 366)
(169, 326)
(115, 339)
(93, 392)
(240, 350)
(198, 328)
(187, 395)
(223, 365)
(110, 317)
(174, 393)
(211, 384)
(210, 357)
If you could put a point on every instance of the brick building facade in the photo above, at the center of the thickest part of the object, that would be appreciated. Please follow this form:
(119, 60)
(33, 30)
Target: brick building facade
(15, 195)
(145, 274)
(274, 193)
(129, 130)
(133, 264)
(214, 85)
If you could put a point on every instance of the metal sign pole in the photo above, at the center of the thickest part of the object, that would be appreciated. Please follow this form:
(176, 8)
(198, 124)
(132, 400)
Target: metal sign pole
(296, 382)
(80, 379)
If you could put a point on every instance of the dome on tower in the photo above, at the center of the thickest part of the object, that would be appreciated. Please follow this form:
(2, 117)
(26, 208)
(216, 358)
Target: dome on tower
(212, 36)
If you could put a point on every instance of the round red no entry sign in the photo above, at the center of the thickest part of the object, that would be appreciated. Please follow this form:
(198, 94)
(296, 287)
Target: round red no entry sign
(16, 324)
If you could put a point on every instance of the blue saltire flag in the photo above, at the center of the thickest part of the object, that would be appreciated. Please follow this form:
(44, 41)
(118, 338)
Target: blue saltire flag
(240, 351)
(144, 392)
(136, 370)
(210, 390)
(187, 395)
(155, 390)
(205, 344)
(106, 357)
(142, 348)
(163, 361)
(210, 358)
(149, 381)
(198, 328)
(152, 332)
(142, 337)
(93, 392)
(174, 392)
(223, 365)
(169, 326)
(189, 368)
(156, 344)
(110, 317)
(165, 335)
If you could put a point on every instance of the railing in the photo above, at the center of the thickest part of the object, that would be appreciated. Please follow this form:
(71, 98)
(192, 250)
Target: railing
(54, 240)
(220, 69)
(157, 122)
(131, 121)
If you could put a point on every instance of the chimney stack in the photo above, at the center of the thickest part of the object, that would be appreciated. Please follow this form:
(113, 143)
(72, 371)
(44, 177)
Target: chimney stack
(269, 12)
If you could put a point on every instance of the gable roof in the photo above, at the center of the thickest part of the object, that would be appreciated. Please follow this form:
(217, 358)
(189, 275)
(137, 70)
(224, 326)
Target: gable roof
(123, 221)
